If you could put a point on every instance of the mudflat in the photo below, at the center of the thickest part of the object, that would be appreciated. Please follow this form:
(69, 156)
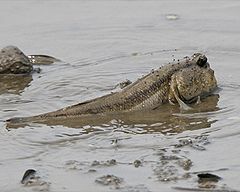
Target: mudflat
(103, 43)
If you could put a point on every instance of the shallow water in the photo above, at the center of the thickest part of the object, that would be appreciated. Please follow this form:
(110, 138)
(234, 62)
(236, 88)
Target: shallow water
(102, 43)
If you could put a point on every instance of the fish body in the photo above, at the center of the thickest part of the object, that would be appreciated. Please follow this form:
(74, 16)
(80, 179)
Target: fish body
(180, 82)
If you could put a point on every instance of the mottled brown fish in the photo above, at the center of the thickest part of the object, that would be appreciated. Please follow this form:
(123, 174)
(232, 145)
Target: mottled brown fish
(182, 82)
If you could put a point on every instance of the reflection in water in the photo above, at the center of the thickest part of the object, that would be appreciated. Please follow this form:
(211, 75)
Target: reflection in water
(164, 119)
(14, 83)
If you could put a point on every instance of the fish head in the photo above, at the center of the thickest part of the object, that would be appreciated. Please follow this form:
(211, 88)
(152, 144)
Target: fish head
(192, 82)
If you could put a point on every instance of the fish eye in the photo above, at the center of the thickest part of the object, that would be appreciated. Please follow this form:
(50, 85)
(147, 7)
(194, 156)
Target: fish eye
(202, 61)
(206, 65)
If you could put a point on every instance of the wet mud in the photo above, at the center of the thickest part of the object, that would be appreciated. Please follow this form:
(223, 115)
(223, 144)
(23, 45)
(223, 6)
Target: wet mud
(102, 44)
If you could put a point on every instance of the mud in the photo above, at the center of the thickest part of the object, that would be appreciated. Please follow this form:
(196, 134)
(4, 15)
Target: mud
(101, 44)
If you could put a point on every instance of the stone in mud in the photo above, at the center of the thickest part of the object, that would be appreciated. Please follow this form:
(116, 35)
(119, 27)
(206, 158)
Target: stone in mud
(137, 163)
(14, 61)
(28, 175)
(204, 177)
(207, 180)
(32, 179)
(172, 17)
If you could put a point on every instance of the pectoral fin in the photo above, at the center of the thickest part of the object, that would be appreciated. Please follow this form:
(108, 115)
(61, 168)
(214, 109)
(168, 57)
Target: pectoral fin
(183, 106)
(198, 100)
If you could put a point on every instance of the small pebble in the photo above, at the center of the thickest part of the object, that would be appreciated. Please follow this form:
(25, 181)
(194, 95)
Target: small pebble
(172, 17)
(137, 163)
(205, 177)
(29, 174)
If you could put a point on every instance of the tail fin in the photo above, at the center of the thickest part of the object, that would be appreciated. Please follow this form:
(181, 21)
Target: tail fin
(17, 122)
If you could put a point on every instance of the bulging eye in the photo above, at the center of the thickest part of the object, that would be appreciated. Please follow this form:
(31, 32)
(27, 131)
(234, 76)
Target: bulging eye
(206, 65)
(202, 61)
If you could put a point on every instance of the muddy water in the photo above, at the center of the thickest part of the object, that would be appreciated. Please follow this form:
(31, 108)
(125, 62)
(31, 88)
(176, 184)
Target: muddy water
(103, 43)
